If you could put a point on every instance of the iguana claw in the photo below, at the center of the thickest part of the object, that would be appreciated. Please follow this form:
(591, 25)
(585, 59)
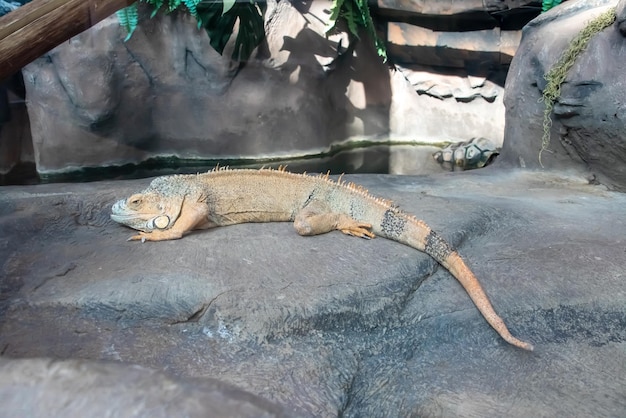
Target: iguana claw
(140, 237)
(358, 229)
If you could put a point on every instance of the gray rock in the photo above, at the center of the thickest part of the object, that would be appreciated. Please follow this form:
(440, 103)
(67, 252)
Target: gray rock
(333, 325)
(588, 130)
(79, 388)
(621, 17)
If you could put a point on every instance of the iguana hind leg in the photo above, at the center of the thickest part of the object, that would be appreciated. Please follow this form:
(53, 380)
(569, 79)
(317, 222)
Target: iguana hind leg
(316, 218)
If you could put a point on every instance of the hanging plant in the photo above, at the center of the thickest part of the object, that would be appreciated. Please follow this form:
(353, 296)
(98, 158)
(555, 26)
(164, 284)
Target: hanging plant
(356, 14)
(217, 18)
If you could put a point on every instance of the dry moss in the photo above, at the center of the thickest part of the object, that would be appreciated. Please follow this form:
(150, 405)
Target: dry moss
(557, 74)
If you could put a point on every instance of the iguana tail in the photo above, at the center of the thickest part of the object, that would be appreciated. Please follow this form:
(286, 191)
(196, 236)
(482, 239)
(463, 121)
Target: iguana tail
(455, 264)
(417, 234)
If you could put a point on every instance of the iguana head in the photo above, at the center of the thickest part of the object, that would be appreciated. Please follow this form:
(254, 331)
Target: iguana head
(154, 208)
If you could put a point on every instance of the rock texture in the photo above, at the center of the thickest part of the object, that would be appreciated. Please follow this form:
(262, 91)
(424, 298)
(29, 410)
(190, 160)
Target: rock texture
(166, 99)
(589, 118)
(328, 325)
(45, 388)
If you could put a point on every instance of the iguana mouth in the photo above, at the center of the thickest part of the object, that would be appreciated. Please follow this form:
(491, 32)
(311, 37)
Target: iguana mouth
(142, 222)
(121, 214)
(124, 218)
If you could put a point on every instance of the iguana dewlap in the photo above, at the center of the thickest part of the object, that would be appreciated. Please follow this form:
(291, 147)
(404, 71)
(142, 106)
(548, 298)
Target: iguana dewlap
(175, 205)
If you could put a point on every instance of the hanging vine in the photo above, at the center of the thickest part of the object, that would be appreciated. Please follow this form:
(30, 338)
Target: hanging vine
(557, 74)
(217, 18)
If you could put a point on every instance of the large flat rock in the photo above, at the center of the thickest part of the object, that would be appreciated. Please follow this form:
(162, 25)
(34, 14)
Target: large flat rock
(333, 325)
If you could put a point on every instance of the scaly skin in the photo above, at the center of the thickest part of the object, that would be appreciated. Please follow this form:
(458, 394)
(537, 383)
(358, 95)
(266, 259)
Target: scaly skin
(175, 205)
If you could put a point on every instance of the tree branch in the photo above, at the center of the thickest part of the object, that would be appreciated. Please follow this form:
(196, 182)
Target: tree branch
(37, 27)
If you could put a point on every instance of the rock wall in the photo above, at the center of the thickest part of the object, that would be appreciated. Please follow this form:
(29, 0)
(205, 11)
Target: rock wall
(166, 98)
(589, 118)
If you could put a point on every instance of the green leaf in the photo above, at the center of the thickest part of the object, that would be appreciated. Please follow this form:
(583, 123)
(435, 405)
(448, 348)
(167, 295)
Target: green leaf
(549, 4)
(351, 19)
(356, 14)
(173, 5)
(218, 18)
(128, 18)
(219, 26)
(251, 31)
(157, 4)
(228, 4)
(335, 10)
(192, 7)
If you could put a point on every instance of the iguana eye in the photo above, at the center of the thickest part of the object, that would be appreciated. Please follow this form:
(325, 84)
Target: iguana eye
(134, 200)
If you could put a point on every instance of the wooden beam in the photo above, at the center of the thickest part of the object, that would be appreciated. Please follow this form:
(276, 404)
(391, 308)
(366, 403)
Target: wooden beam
(37, 27)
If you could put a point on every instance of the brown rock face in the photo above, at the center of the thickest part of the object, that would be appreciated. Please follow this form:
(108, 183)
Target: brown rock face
(589, 118)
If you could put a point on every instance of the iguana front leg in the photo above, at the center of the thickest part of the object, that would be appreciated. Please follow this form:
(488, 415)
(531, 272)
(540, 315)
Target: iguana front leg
(316, 218)
(192, 216)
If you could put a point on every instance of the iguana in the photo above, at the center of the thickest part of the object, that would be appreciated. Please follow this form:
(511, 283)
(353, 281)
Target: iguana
(172, 206)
